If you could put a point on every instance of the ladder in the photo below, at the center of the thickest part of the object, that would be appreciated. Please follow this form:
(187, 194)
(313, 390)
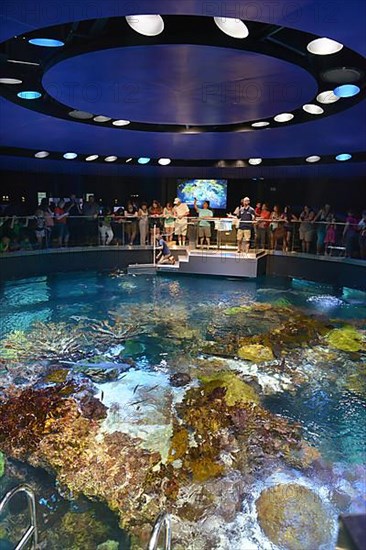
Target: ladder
(163, 520)
(32, 531)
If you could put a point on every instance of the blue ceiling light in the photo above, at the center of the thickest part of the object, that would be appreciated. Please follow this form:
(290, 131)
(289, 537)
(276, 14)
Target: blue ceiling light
(143, 160)
(343, 157)
(70, 156)
(46, 42)
(346, 90)
(29, 95)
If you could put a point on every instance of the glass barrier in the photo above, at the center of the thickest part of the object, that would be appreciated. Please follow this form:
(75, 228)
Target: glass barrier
(41, 233)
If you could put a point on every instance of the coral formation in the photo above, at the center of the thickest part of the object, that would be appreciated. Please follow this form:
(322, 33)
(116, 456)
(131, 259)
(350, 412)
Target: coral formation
(346, 339)
(256, 353)
(294, 517)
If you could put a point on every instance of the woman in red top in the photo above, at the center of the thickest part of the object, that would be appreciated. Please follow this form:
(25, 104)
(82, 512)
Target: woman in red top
(262, 226)
(61, 229)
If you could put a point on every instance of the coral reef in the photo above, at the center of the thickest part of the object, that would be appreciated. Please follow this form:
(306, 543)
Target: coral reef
(346, 339)
(294, 517)
(256, 353)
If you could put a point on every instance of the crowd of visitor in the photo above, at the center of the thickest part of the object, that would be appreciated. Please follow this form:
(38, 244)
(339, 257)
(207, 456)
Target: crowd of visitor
(72, 222)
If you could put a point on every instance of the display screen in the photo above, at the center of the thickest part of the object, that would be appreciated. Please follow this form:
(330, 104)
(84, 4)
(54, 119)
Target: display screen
(214, 191)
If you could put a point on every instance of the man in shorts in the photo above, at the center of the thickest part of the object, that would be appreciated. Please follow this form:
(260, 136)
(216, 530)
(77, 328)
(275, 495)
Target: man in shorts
(246, 215)
(204, 226)
(181, 211)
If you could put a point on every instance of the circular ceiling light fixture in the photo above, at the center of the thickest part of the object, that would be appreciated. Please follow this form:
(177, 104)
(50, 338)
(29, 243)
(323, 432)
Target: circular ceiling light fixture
(81, 115)
(255, 162)
(343, 156)
(313, 158)
(342, 75)
(346, 90)
(261, 124)
(41, 154)
(111, 158)
(148, 25)
(121, 122)
(70, 156)
(10, 81)
(324, 46)
(327, 97)
(101, 118)
(232, 27)
(90, 158)
(143, 160)
(46, 42)
(313, 109)
(29, 95)
(164, 162)
(283, 117)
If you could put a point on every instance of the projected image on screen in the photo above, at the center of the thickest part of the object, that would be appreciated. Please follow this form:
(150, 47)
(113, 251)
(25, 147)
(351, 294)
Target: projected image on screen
(214, 191)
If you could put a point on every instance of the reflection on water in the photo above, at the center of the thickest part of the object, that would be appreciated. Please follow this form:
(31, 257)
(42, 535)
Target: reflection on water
(200, 396)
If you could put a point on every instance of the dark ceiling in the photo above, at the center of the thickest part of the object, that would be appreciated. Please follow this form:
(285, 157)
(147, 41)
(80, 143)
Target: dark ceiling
(191, 93)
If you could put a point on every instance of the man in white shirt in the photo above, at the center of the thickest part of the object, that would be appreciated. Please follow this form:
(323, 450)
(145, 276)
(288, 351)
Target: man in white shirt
(181, 211)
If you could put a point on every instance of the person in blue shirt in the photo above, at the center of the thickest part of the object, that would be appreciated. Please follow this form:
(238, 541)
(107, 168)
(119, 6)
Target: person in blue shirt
(204, 226)
(164, 255)
(246, 215)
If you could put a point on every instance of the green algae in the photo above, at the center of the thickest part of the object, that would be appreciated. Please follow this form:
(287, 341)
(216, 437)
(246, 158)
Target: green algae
(256, 353)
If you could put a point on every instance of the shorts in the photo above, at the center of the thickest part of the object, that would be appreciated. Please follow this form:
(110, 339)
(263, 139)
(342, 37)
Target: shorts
(244, 234)
(204, 231)
(308, 236)
(180, 228)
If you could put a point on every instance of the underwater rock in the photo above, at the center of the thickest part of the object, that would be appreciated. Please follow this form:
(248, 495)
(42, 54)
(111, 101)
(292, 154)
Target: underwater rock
(79, 530)
(99, 373)
(294, 517)
(93, 408)
(256, 353)
(179, 379)
(237, 391)
(304, 456)
(346, 339)
(356, 381)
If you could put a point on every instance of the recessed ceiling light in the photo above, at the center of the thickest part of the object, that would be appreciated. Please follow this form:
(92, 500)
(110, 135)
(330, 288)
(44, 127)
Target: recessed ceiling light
(41, 154)
(324, 46)
(29, 95)
(10, 81)
(70, 156)
(101, 118)
(46, 42)
(164, 162)
(19, 62)
(111, 158)
(255, 162)
(327, 97)
(342, 75)
(261, 124)
(148, 25)
(121, 122)
(343, 156)
(81, 115)
(129, 160)
(313, 158)
(232, 27)
(284, 117)
(143, 160)
(347, 90)
(90, 158)
(313, 109)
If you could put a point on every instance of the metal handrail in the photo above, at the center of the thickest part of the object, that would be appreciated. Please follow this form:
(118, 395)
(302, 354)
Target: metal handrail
(32, 530)
(163, 520)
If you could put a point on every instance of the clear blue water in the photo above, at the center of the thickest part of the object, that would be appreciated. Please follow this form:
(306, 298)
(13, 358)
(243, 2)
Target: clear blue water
(333, 418)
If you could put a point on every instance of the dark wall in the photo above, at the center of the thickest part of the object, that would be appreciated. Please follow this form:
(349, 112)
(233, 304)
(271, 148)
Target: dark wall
(113, 190)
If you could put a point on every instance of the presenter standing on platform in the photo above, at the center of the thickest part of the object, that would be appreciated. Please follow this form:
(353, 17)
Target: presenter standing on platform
(246, 215)
(181, 211)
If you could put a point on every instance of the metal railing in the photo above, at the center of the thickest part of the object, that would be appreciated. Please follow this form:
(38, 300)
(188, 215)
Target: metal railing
(220, 233)
(163, 521)
(32, 530)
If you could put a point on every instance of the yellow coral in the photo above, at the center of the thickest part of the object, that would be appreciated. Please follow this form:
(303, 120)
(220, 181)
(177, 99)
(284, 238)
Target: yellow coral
(256, 353)
(346, 339)
(237, 391)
